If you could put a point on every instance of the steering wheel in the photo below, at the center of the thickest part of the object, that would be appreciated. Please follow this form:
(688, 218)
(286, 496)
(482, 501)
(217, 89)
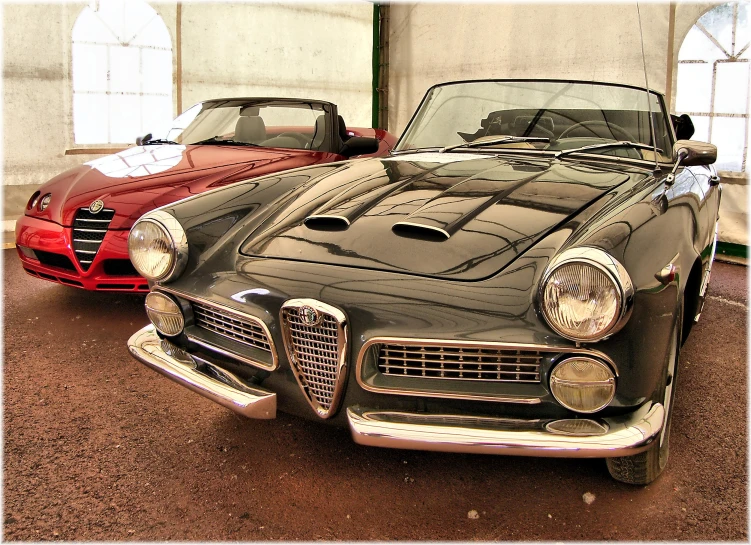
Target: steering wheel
(612, 129)
(301, 139)
(540, 131)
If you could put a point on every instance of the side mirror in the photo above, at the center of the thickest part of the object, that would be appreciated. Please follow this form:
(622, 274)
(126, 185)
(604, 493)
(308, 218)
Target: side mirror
(689, 153)
(360, 145)
(142, 139)
(692, 153)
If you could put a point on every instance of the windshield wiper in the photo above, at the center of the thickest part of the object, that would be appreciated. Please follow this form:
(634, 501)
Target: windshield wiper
(621, 143)
(220, 141)
(157, 141)
(501, 140)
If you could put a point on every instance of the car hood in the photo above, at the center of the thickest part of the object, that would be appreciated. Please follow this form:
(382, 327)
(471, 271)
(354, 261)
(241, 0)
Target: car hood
(455, 215)
(142, 178)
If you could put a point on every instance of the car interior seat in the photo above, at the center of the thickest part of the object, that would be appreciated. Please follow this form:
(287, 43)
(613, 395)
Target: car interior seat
(250, 128)
(321, 140)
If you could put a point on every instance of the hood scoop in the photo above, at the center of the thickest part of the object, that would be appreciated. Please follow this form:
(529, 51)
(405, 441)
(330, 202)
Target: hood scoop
(419, 231)
(324, 222)
(449, 211)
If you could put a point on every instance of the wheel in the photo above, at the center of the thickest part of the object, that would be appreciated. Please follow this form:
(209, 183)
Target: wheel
(645, 467)
(609, 130)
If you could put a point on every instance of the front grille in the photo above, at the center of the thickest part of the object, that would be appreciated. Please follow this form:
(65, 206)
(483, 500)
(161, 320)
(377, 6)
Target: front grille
(54, 260)
(119, 267)
(88, 233)
(460, 362)
(315, 340)
(230, 325)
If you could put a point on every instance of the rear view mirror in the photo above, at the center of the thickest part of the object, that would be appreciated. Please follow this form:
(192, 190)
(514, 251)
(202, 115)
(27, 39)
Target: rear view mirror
(692, 153)
(142, 139)
(684, 127)
(360, 145)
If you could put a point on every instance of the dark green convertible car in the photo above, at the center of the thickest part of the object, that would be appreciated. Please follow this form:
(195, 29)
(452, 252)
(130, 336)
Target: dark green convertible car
(517, 277)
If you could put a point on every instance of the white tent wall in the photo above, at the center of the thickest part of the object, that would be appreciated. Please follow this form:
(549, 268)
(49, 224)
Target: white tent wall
(295, 50)
(319, 51)
(433, 43)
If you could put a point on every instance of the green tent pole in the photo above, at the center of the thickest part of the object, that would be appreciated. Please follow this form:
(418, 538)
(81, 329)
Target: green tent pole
(376, 61)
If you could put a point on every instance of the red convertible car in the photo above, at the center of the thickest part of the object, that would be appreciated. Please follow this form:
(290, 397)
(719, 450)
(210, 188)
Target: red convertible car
(75, 227)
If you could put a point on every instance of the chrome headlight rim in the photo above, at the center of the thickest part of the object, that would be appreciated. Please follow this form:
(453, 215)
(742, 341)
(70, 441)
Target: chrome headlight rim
(611, 380)
(609, 266)
(169, 225)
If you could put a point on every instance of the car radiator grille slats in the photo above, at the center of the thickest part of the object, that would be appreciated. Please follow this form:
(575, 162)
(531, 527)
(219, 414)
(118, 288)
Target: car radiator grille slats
(233, 326)
(460, 363)
(316, 353)
(88, 233)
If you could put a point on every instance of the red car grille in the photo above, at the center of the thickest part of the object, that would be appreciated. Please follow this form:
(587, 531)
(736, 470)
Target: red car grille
(88, 233)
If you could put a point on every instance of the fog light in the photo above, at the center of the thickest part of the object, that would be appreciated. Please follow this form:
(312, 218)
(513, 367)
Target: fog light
(28, 252)
(582, 384)
(575, 426)
(164, 313)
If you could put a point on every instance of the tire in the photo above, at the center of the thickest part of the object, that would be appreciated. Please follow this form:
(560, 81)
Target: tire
(645, 467)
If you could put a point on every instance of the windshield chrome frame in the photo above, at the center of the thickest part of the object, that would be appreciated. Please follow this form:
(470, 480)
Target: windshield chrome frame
(660, 99)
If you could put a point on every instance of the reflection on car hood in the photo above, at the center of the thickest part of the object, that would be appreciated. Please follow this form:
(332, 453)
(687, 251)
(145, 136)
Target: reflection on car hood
(142, 178)
(461, 216)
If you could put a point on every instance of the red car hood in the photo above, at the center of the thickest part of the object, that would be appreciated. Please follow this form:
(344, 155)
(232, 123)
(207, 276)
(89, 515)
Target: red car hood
(142, 178)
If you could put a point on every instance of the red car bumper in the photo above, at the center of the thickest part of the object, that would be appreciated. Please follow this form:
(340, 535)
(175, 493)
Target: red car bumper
(53, 258)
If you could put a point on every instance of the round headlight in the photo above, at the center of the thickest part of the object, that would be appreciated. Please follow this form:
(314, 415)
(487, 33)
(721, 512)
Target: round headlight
(164, 313)
(33, 201)
(582, 384)
(45, 202)
(586, 295)
(157, 246)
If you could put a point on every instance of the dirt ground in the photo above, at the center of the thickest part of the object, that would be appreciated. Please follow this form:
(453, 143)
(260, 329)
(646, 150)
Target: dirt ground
(98, 447)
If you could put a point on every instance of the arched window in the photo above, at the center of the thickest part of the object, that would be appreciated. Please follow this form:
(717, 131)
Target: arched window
(122, 72)
(714, 79)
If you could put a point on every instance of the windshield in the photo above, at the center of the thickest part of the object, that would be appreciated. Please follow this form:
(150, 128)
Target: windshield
(255, 123)
(541, 115)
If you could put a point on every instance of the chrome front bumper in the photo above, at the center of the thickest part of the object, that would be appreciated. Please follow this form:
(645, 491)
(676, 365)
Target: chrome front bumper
(625, 436)
(202, 377)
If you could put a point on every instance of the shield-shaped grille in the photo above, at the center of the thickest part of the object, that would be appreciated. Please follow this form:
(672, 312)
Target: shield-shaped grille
(315, 338)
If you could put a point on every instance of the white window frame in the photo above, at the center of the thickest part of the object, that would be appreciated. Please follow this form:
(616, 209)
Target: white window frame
(109, 147)
(733, 56)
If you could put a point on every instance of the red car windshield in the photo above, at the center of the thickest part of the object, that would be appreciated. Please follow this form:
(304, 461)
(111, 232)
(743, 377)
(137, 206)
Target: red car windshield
(233, 122)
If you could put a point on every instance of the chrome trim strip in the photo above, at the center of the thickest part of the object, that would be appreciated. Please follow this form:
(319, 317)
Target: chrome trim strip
(341, 357)
(87, 241)
(228, 353)
(92, 220)
(199, 375)
(261, 324)
(90, 252)
(467, 344)
(706, 274)
(609, 265)
(90, 230)
(626, 435)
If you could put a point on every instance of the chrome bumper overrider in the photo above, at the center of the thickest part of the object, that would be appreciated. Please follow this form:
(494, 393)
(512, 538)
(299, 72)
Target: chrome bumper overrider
(626, 435)
(202, 377)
